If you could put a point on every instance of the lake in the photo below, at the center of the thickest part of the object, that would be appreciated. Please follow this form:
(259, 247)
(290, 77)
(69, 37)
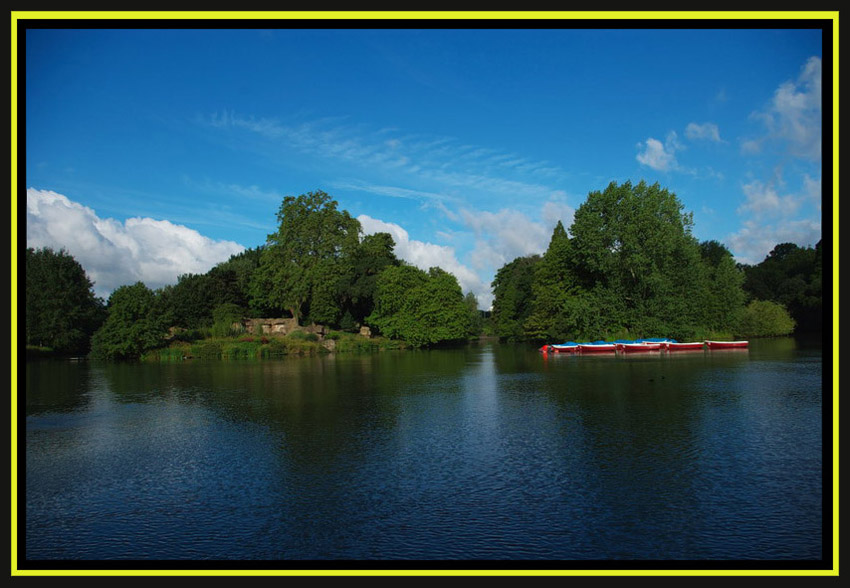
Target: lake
(486, 452)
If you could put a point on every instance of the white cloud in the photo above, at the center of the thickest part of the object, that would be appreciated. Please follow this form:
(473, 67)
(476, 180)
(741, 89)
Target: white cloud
(660, 156)
(754, 241)
(115, 254)
(794, 115)
(764, 199)
(505, 235)
(427, 255)
(706, 131)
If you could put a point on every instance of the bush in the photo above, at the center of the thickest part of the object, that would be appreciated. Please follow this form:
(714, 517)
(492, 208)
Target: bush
(762, 318)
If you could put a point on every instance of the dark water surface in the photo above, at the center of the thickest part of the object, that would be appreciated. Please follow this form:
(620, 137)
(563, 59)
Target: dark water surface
(487, 452)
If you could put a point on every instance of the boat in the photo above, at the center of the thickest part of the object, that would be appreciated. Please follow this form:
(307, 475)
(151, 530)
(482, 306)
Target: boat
(639, 347)
(684, 346)
(564, 347)
(661, 340)
(560, 348)
(597, 347)
(727, 344)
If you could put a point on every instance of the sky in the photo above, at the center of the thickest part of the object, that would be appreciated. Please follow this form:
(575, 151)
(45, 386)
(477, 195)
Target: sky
(155, 153)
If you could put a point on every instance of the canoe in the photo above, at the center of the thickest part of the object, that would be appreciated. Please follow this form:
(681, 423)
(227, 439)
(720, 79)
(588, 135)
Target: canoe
(684, 346)
(638, 347)
(726, 344)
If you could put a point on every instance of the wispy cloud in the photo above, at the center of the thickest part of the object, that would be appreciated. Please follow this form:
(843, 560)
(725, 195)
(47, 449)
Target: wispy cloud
(793, 117)
(439, 161)
(792, 122)
(706, 131)
(764, 199)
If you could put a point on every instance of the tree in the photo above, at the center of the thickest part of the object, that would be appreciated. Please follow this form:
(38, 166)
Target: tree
(561, 308)
(791, 276)
(422, 308)
(512, 297)
(303, 262)
(633, 248)
(373, 254)
(723, 296)
(133, 325)
(62, 310)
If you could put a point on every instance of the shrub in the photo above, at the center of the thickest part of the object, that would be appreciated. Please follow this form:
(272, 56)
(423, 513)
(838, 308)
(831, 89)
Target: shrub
(763, 318)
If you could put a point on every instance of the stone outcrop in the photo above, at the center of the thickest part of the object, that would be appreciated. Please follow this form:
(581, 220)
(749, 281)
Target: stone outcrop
(280, 326)
(270, 326)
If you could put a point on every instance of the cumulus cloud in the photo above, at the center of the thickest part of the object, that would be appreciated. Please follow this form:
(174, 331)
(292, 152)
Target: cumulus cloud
(113, 253)
(500, 237)
(794, 115)
(754, 241)
(764, 199)
(427, 255)
(706, 131)
(505, 235)
(660, 156)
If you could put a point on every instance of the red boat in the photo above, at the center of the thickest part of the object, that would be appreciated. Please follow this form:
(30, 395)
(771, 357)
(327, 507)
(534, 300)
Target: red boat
(638, 347)
(598, 348)
(684, 346)
(727, 344)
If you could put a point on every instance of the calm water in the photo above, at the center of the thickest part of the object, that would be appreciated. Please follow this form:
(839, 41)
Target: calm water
(485, 453)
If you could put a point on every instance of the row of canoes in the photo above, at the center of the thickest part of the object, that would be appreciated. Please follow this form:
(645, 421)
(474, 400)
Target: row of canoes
(641, 346)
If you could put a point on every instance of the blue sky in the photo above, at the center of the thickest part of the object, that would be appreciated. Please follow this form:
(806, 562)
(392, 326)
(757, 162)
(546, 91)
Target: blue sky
(151, 153)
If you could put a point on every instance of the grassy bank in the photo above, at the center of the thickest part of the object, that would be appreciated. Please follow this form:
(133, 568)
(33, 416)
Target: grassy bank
(270, 347)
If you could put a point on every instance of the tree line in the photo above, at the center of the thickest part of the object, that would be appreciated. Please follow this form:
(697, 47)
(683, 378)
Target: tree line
(628, 267)
(318, 267)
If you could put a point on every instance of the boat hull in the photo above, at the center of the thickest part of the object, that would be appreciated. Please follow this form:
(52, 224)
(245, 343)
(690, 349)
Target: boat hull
(639, 347)
(597, 348)
(727, 344)
(684, 346)
(564, 348)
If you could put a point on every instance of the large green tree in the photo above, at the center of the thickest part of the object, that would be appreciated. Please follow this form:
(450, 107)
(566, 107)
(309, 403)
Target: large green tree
(62, 310)
(723, 295)
(633, 248)
(422, 308)
(359, 283)
(133, 324)
(306, 259)
(512, 297)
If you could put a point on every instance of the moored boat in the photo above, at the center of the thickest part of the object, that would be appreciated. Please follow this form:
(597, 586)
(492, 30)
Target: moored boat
(639, 347)
(564, 348)
(727, 344)
(559, 348)
(598, 347)
(684, 346)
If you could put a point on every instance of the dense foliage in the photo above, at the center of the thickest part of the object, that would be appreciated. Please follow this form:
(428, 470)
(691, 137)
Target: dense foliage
(62, 311)
(304, 263)
(763, 318)
(132, 326)
(512, 303)
(629, 267)
(791, 276)
(422, 308)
